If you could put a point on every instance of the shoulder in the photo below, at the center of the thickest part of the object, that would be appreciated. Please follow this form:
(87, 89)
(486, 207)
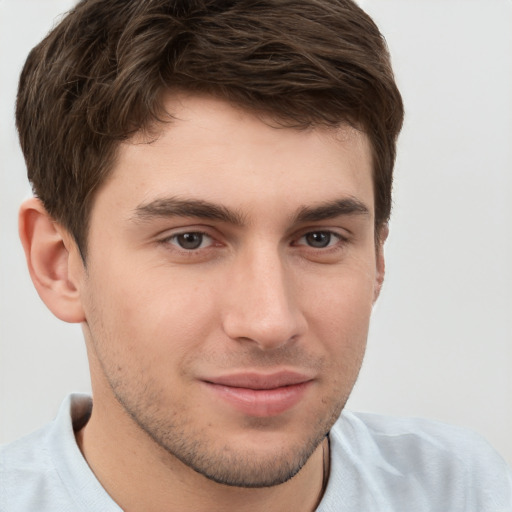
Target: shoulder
(425, 464)
(398, 433)
(45, 471)
(26, 468)
(26, 454)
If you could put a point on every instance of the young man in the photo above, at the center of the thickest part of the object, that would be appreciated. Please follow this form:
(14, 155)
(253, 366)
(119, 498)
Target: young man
(213, 185)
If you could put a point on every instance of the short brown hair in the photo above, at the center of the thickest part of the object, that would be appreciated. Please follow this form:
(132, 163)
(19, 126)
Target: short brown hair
(99, 75)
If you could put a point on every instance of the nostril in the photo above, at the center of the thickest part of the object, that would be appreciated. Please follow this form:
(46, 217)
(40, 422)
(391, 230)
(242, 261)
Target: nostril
(267, 332)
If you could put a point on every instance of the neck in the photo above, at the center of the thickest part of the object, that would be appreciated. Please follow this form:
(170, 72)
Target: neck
(142, 477)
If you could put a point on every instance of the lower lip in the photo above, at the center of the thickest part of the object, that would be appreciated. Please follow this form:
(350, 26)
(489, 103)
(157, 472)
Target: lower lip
(261, 402)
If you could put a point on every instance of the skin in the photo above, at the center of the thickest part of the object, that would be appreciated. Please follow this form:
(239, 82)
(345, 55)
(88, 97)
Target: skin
(282, 281)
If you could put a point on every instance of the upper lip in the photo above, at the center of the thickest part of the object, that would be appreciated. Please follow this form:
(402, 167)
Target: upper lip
(255, 380)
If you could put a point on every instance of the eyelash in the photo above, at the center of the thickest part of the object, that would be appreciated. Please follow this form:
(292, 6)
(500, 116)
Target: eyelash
(331, 234)
(338, 239)
(174, 237)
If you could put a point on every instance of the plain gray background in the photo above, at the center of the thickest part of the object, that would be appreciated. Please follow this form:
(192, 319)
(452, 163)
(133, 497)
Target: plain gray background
(441, 338)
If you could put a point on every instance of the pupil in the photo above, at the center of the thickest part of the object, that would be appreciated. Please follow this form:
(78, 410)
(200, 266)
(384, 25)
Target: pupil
(190, 240)
(318, 239)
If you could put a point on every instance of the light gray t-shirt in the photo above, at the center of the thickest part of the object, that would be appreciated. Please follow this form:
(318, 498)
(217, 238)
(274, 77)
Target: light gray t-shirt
(378, 464)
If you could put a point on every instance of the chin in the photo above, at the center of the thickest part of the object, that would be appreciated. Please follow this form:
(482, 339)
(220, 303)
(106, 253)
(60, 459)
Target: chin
(252, 469)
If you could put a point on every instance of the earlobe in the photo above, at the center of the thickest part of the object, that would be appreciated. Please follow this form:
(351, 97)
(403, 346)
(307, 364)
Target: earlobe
(48, 250)
(380, 261)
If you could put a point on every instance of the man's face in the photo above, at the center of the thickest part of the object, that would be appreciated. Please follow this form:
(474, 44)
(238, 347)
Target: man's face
(230, 277)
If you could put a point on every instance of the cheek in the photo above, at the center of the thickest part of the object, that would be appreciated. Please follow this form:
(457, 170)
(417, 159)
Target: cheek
(148, 314)
(342, 306)
(338, 318)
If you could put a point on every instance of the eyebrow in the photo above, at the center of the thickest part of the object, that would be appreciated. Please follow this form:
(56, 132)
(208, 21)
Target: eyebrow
(331, 209)
(176, 207)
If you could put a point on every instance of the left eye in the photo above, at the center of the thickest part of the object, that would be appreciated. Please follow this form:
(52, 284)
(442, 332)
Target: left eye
(319, 239)
(191, 241)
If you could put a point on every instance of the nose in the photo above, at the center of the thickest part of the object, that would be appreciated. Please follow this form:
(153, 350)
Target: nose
(262, 305)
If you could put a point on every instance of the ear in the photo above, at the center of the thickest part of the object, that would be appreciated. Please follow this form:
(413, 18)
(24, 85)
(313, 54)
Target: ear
(51, 253)
(380, 262)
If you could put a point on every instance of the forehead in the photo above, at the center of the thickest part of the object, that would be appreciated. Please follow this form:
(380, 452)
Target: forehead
(211, 150)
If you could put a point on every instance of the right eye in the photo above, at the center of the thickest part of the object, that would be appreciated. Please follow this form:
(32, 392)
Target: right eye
(190, 240)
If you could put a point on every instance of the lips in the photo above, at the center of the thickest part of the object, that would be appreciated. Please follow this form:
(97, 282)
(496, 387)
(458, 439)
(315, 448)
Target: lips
(260, 395)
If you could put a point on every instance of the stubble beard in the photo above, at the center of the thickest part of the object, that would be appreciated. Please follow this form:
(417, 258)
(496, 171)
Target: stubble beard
(173, 427)
(225, 464)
